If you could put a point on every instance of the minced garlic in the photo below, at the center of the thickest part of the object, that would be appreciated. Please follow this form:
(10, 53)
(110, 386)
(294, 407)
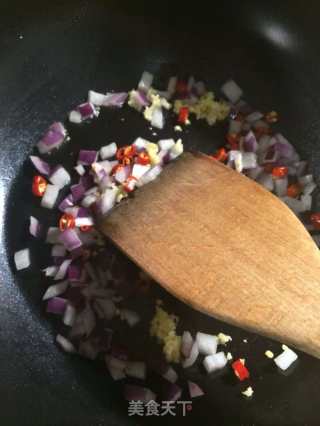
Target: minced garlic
(206, 107)
(224, 338)
(163, 326)
(248, 392)
(269, 354)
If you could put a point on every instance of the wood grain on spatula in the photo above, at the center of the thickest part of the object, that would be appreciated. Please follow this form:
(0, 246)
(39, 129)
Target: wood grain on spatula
(227, 247)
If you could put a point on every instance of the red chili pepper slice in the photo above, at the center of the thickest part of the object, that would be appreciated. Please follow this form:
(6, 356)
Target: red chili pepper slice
(183, 115)
(221, 155)
(240, 370)
(294, 190)
(39, 185)
(279, 172)
(129, 183)
(126, 161)
(143, 158)
(67, 221)
(126, 151)
(86, 228)
(315, 220)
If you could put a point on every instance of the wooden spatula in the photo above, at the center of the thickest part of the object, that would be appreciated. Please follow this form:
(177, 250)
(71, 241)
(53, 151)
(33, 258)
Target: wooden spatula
(227, 247)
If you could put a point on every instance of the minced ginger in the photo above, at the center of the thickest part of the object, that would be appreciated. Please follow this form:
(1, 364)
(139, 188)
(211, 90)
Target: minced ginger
(163, 326)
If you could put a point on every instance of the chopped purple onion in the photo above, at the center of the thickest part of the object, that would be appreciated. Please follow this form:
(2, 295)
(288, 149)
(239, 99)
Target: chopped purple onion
(86, 110)
(87, 157)
(56, 305)
(53, 138)
(78, 191)
(66, 203)
(115, 99)
(69, 238)
(40, 165)
(194, 390)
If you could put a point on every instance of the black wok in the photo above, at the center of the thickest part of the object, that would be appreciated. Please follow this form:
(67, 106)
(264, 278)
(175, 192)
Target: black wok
(51, 53)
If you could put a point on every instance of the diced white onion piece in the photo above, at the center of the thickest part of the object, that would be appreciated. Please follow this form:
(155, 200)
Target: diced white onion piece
(249, 160)
(116, 373)
(50, 271)
(285, 359)
(88, 200)
(309, 188)
(215, 362)
(80, 169)
(254, 116)
(122, 174)
(116, 363)
(255, 173)
(34, 227)
(176, 150)
(166, 143)
(140, 143)
(265, 179)
(75, 117)
(139, 170)
(301, 167)
(307, 202)
(22, 259)
(232, 91)
(108, 199)
(281, 186)
(236, 157)
(131, 317)
(69, 315)
(305, 180)
(194, 353)
(50, 196)
(186, 343)
(105, 308)
(58, 250)
(151, 175)
(145, 81)
(170, 375)
(235, 126)
(157, 118)
(295, 205)
(84, 221)
(136, 369)
(60, 177)
(53, 235)
(207, 343)
(62, 269)
(108, 151)
(96, 98)
(65, 344)
(55, 290)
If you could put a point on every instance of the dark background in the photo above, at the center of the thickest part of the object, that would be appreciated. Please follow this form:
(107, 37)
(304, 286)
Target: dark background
(51, 53)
